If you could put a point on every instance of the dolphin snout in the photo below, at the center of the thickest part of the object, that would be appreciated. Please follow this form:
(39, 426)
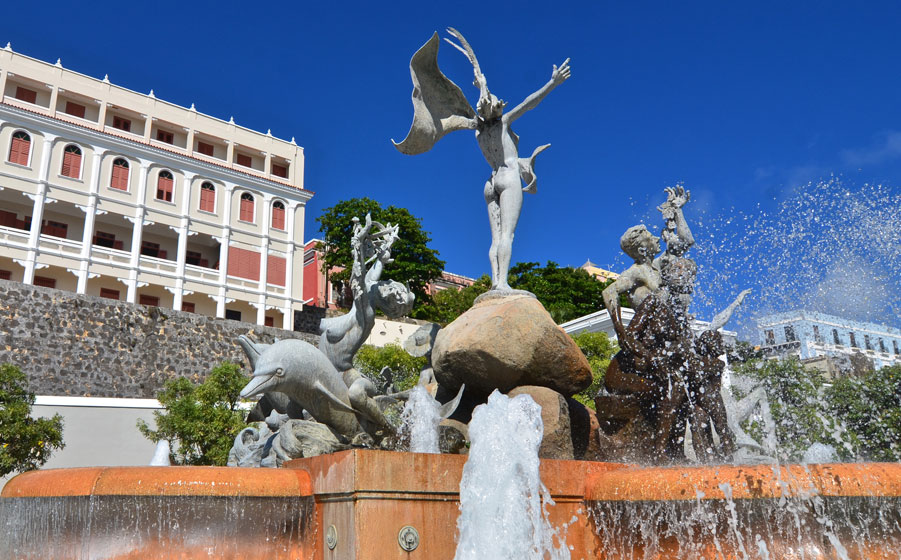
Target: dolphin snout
(258, 384)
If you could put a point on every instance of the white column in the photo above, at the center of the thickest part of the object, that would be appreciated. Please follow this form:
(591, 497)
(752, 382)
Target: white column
(183, 242)
(137, 233)
(2, 84)
(288, 311)
(90, 214)
(265, 218)
(37, 212)
(54, 98)
(267, 164)
(223, 249)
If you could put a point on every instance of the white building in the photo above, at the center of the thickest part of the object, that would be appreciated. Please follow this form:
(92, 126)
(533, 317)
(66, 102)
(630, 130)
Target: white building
(809, 335)
(113, 193)
(600, 321)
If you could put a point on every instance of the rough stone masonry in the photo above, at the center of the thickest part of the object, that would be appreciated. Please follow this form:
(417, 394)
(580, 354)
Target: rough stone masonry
(75, 345)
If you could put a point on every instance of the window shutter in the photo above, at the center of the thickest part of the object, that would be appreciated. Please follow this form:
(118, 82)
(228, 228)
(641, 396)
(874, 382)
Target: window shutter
(207, 199)
(278, 217)
(75, 109)
(18, 151)
(71, 164)
(246, 210)
(243, 263)
(275, 270)
(120, 178)
(164, 188)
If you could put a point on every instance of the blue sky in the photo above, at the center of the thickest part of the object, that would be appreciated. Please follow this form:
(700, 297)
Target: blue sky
(744, 103)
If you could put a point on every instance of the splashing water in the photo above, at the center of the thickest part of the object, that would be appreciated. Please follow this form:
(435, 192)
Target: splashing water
(420, 420)
(503, 502)
(828, 247)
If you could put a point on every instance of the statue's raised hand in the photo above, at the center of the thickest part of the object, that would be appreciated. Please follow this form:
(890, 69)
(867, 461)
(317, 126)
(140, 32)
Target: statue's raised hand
(560, 75)
(677, 196)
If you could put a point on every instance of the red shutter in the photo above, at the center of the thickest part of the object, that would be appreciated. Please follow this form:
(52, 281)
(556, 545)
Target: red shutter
(27, 95)
(275, 270)
(71, 164)
(246, 210)
(243, 263)
(18, 151)
(75, 109)
(109, 294)
(279, 170)
(44, 282)
(244, 160)
(164, 189)
(208, 199)
(120, 178)
(149, 300)
(278, 217)
(187, 306)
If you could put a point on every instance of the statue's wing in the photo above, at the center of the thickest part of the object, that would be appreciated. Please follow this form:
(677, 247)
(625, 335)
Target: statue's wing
(527, 170)
(439, 105)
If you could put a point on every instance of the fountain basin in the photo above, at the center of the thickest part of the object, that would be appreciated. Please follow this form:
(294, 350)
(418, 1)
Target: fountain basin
(157, 512)
(610, 510)
(846, 511)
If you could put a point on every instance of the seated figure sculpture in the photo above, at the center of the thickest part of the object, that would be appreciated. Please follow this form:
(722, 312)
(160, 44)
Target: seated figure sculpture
(663, 378)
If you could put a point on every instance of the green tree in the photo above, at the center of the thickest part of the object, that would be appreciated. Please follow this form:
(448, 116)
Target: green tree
(447, 305)
(415, 264)
(565, 292)
(25, 442)
(599, 349)
(869, 407)
(370, 361)
(202, 419)
(800, 413)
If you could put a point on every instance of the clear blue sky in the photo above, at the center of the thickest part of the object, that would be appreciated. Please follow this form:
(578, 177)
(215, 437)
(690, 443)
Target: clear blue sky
(743, 102)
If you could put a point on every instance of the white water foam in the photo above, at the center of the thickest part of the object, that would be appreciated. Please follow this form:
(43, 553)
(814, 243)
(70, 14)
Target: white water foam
(503, 502)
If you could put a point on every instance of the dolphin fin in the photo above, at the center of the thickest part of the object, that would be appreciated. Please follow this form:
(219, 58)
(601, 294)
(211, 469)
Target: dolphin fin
(449, 407)
(251, 350)
(341, 405)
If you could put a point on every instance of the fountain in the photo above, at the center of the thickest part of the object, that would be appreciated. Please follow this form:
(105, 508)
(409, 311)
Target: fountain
(343, 491)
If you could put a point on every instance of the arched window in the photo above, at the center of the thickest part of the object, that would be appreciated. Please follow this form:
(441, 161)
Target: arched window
(119, 177)
(246, 214)
(20, 147)
(208, 197)
(278, 215)
(71, 162)
(164, 186)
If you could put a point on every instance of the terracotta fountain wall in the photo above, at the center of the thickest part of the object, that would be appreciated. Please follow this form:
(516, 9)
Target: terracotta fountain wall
(356, 505)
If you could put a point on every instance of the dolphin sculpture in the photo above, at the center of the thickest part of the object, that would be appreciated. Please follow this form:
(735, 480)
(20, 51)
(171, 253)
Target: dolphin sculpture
(307, 377)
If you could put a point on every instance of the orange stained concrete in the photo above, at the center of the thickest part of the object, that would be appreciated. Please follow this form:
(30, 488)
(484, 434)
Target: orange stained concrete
(160, 481)
(369, 496)
(746, 481)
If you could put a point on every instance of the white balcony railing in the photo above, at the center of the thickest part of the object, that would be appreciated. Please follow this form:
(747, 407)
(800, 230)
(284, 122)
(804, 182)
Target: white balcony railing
(60, 246)
(106, 255)
(201, 274)
(13, 237)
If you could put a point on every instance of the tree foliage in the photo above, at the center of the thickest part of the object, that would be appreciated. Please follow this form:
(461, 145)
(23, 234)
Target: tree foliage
(415, 264)
(370, 361)
(599, 349)
(798, 406)
(201, 419)
(870, 409)
(447, 305)
(26, 443)
(565, 292)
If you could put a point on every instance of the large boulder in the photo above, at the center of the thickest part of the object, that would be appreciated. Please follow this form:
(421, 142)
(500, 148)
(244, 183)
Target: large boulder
(505, 342)
(557, 442)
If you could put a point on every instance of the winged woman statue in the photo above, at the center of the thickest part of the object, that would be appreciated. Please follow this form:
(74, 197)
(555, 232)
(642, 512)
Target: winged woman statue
(440, 107)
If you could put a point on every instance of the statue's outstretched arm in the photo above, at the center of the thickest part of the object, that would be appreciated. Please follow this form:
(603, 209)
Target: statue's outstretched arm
(383, 240)
(677, 197)
(723, 316)
(558, 76)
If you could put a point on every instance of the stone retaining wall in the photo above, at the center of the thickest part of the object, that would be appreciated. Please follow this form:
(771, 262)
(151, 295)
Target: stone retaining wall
(70, 344)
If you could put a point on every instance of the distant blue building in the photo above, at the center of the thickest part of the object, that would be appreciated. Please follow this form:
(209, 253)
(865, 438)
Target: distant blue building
(810, 335)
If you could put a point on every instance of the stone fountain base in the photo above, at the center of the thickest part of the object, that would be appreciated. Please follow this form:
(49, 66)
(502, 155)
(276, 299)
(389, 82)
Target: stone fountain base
(357, 505)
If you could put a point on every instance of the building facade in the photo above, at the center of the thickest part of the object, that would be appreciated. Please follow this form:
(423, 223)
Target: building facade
(809, 335)
(109, 192)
